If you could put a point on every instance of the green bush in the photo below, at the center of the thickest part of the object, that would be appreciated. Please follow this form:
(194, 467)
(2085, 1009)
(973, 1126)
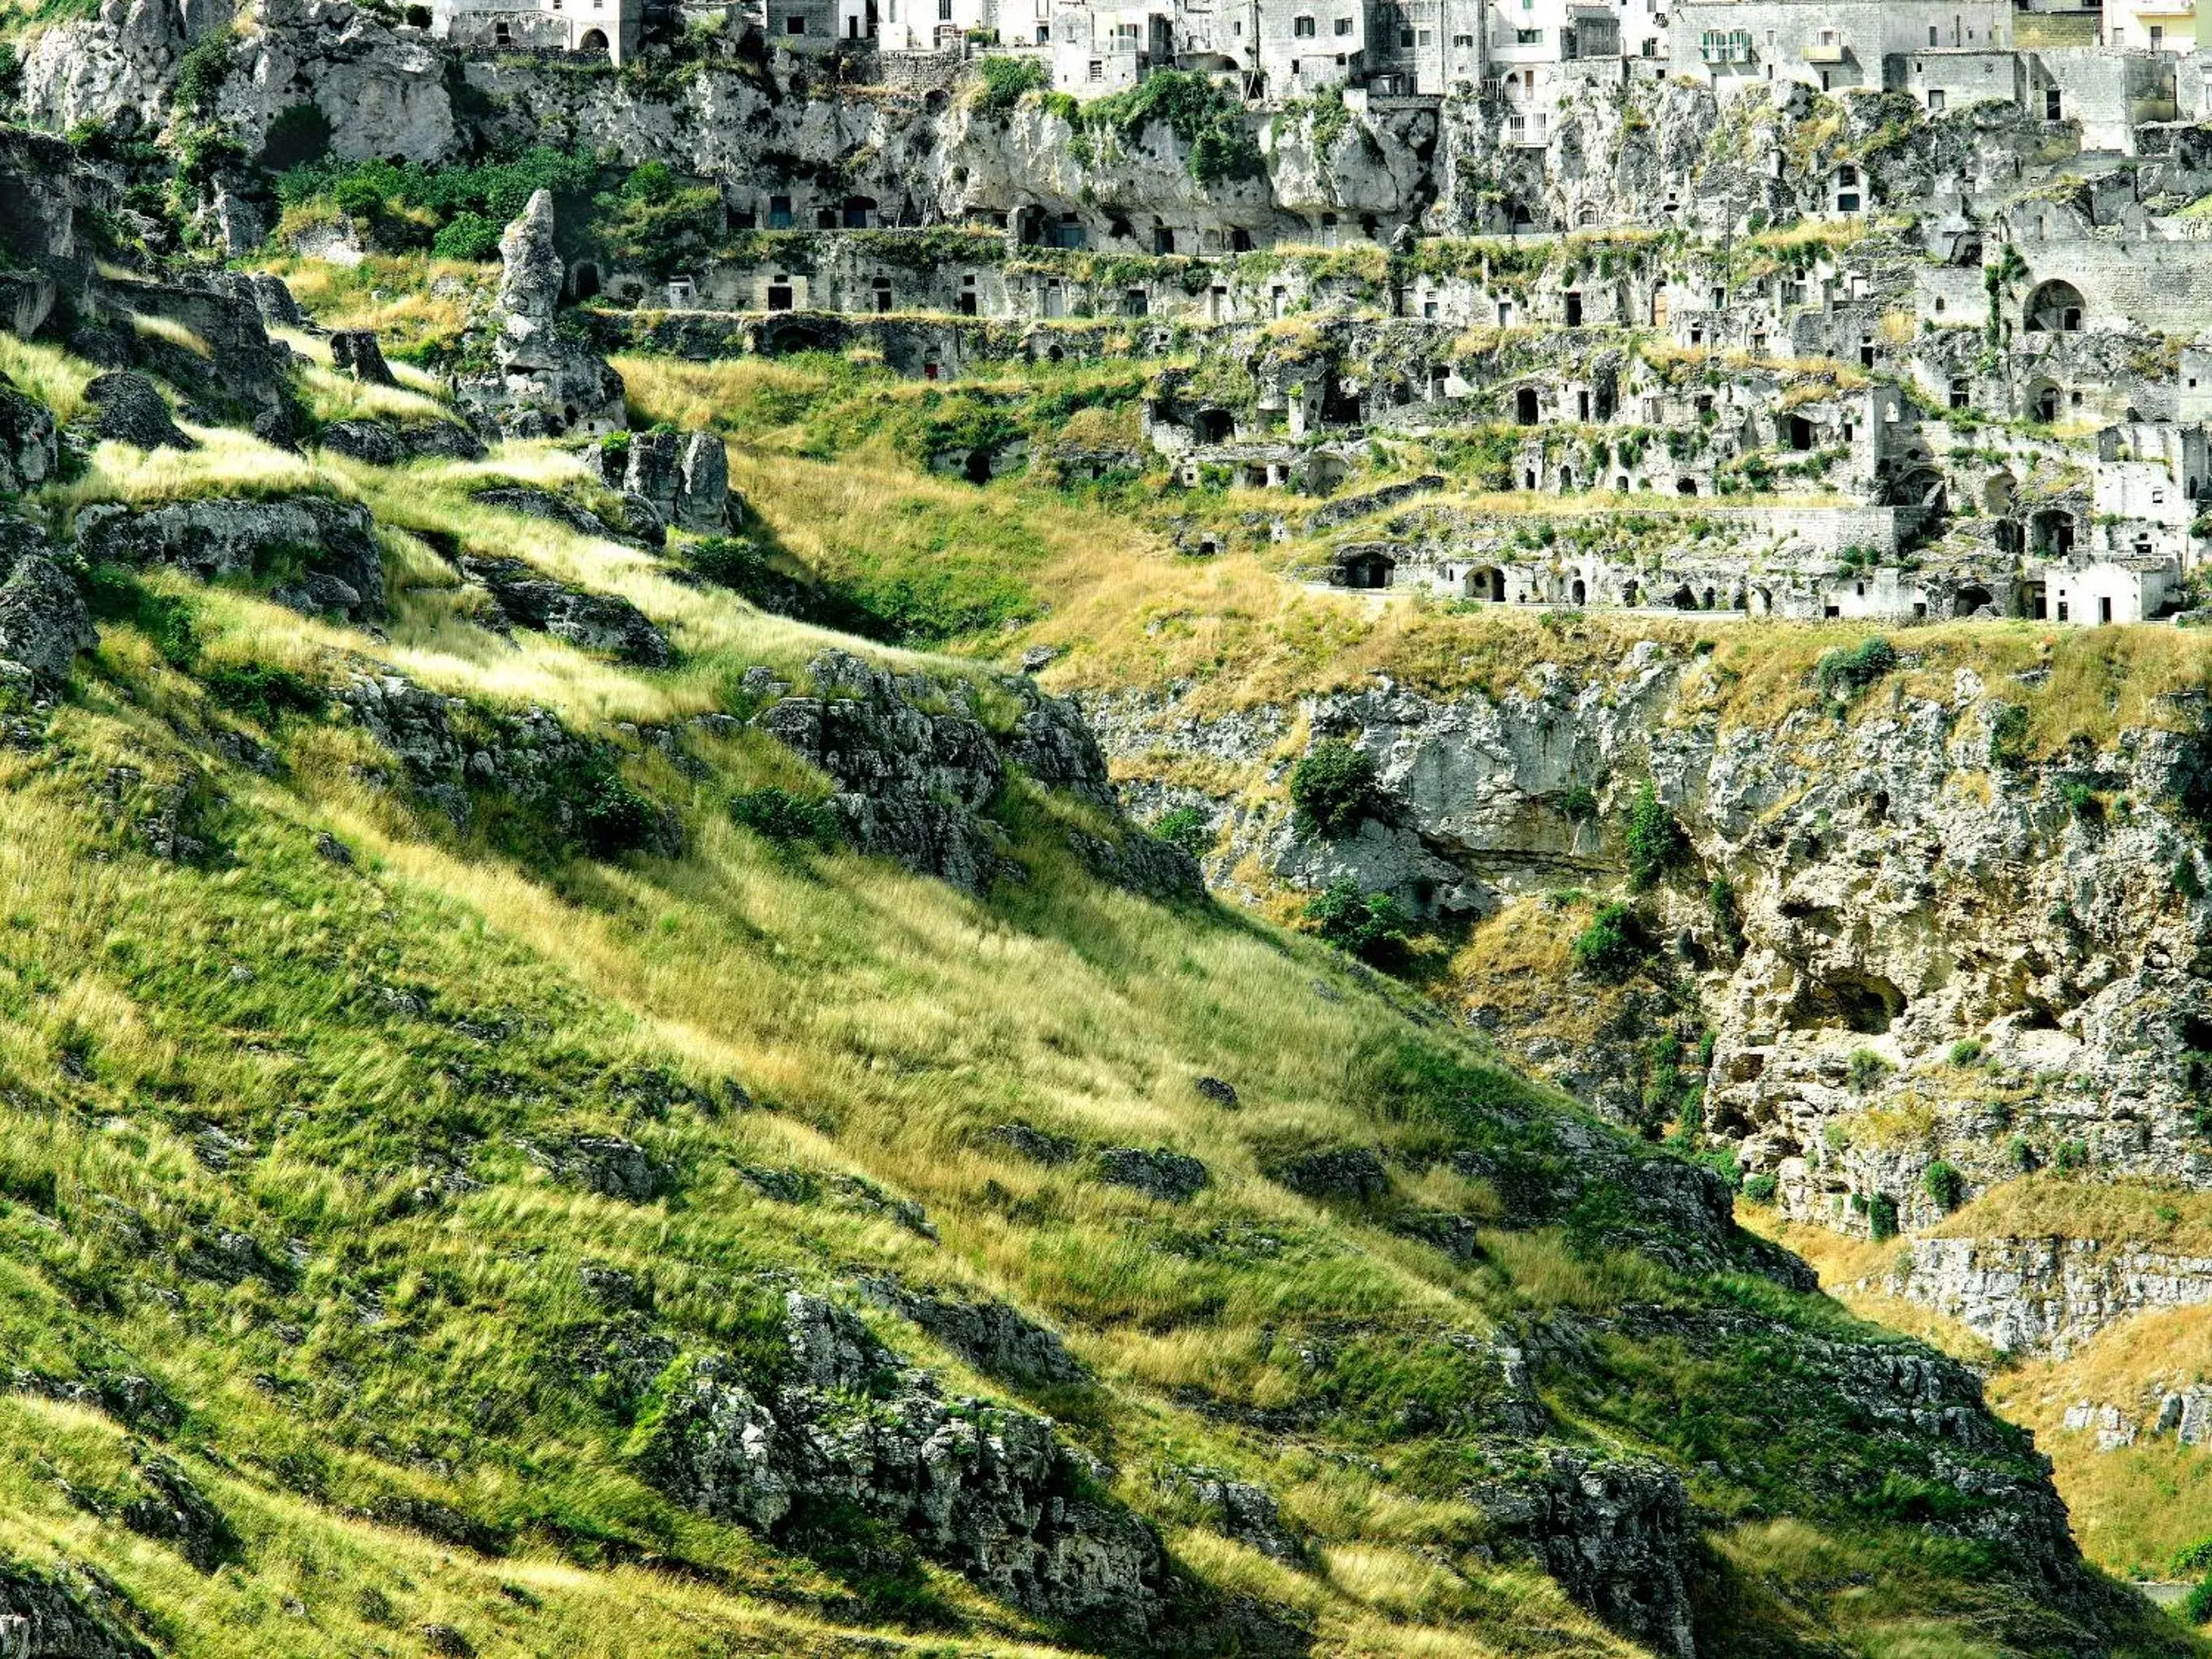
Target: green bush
(1944, 1184)
(1333, 787)
(1728, 926)
(2199, 1607)
(1654, 839)
(1881, 1217)
(1867, 1069)
(2071, 1156)
(263, 691)
(201, 71)
(1846, 673)
(2019, 1152)
(778, 815)
(1186, 828)
(1371, 928)
(2008, 738)
(2192, 1557)
(1209, 119)
(1761, 1188)
(612, 818)
(1006, 80)
(1612, 946)
(1579, 803)
(468, 236)
(1966, 1053)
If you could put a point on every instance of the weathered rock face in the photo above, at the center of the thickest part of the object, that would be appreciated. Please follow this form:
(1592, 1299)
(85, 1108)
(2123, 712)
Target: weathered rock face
(992, 1493)
(30, 445)
(1170, 1176)
(319, 554)
(379, 443)
(128, 409)
(1902, 886)
(171, 1508)
(2043, 1295)
(547, 384)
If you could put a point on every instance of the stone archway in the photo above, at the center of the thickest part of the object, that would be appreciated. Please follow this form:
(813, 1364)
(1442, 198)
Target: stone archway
(2056, 307)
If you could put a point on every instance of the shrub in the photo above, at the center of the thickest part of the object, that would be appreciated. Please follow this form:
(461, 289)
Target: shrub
(2071, 1156)
(1613, 945)
(1005, 80)
(1333, 787)
(263, 691)
(201, 71)
(2021, 1155)
(1761, 1188)
(1944, 1184)
(1966, 1053)
(1867, 1069)
(1881, 1217)
(2008, 738)
(778, 815)
(1727, 928)
(1186, 828)
(1371, 928)
(2084, 802)
(612, 818)
(2192, 1557)
(1846, 673)
(1579, 803)
(2199, 1607)
(1655, 840)
(469, 236)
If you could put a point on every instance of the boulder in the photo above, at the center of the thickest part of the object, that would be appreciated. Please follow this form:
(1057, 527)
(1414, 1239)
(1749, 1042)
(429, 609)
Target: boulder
(1352, 1172)
(1237, 1510)
(590, 622)
(1170, 1176)
(43, 621)
(614, 1167)
(355, 351)
(702, 485)
(30, 447)
(319, 554)
(128, 409)
(997, 1339)
(51, 1618)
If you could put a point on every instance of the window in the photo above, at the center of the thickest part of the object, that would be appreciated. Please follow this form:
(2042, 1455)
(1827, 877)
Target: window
(1463, 42)
(1931, 34)
(1344, 26)
(794, 24)
(944, 11)
(778, 213)
(1302, 27)
(1044, 34)
(2158, 498)
(1405, 38)
(1935, 101)
(1097, 70)
(1528, 37)
(1423, 38)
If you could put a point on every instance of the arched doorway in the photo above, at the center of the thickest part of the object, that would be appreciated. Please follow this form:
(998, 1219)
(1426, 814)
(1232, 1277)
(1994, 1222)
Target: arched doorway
(977, 469)
(1801, 432)
(1630, 593)
(1684, 600)
(593, 41)
(2054, 308)
(1566, 480)
(2051, 531)
(1215, 426)
(1525, 406)
(1685, 486)
(1486, 582)
(1579, 593)
(1969, 599)
(2043, 402)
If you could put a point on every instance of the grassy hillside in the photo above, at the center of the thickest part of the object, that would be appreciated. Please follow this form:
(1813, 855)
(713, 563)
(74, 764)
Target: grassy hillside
(308, 1084)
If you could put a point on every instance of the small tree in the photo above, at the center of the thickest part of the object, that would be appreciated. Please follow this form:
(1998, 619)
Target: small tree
(1655, 840)
(1944, 1184)
(1611, 946)
(1333, 787)
(1186, 828)
(1371, 926)
(1867, 1069)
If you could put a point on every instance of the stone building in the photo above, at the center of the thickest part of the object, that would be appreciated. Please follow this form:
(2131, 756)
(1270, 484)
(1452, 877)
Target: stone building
(609, 29)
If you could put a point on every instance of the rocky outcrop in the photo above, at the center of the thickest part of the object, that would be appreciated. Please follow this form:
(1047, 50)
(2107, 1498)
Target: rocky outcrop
(1616, 1534)
(1170, 1176)
(2042, 1295)
(1923, 929)
(30, 445)
(521, 598)
(684, 477)
(547, 384)
(46, 1617)
(43, 620)
(173, 1509)
(997, 1339)
(446, 749)
(355, 351)
(316, 553)
(1238, 1510)
(128, 409)
(381, 443)
(841, 1426)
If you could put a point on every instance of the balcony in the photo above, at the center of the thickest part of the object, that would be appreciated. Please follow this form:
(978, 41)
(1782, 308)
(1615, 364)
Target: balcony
(1529, 132)
(1826, 52)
